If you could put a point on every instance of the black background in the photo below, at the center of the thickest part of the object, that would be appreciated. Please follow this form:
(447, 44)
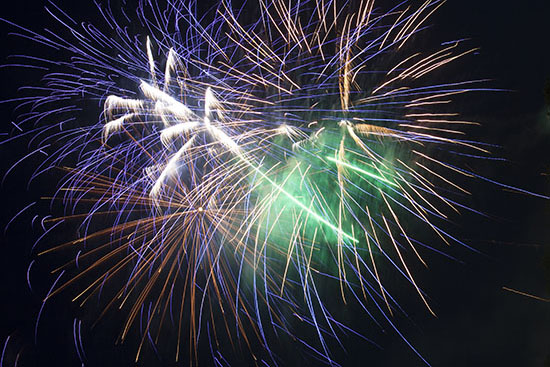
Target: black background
(478, 323)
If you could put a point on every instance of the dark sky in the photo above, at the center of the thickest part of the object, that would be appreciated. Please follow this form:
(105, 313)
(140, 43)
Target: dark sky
(478, 323)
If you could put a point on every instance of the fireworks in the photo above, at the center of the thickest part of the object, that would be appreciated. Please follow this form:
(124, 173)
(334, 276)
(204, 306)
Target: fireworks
(253, 164)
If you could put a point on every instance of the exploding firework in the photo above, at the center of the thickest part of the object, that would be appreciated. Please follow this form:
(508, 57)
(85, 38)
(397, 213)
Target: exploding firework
(252, 165)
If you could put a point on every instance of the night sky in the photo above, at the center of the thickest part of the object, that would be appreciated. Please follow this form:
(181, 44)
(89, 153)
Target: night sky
(478, 323)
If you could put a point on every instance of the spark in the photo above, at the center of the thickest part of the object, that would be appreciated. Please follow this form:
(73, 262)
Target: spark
(360, 170)
(526, 294)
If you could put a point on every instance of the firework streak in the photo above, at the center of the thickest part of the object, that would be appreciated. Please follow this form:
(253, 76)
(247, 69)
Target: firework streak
(251, 165)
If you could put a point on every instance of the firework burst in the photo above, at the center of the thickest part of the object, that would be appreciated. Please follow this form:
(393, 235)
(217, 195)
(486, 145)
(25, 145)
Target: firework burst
(252, 165)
